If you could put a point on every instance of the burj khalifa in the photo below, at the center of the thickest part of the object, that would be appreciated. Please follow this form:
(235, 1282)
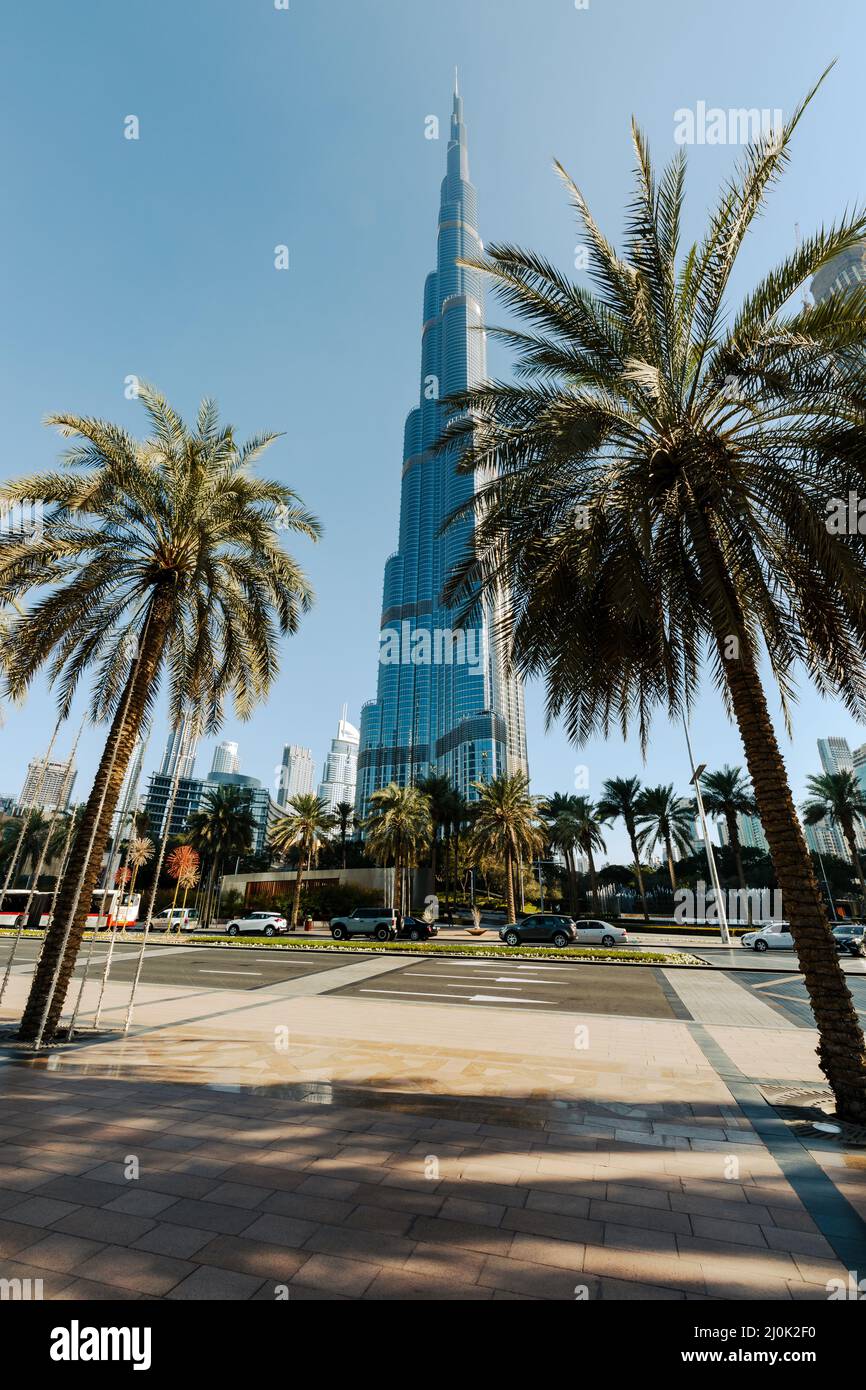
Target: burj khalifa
(445, 704)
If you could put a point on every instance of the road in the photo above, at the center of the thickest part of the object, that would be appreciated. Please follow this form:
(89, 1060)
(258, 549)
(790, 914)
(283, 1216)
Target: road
(760, 990)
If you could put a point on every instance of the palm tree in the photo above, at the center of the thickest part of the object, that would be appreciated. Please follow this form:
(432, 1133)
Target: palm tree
(619, 801)
(839, 797)
(505, 824)
(589, 839)
(345, 814)
(652, 495)
(305, 829)
(665, 819)
(182, 865)
(558, 812)
(222, 827)
(36, 831)
(139, 852)
(398, 829)
(441, 796)
(157, 557)
(726, 793)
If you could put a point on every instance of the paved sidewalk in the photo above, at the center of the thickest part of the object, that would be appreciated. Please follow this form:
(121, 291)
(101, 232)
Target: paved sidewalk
(316, 1147)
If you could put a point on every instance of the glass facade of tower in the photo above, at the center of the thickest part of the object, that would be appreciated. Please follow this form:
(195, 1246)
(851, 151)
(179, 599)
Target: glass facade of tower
(443, 703)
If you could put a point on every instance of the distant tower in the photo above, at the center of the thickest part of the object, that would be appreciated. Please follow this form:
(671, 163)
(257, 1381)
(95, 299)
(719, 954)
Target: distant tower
(296, 773)
(180, 751)
(48, 785)
(225, 758)
(341, 765)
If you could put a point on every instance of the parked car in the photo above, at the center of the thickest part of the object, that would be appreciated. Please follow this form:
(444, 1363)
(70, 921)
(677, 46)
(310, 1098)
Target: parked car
(378, 922)
(593, 931)
(416, 929)
(775, 936)
(850, 938)
(541, 926)
(172, 918)
(258, 923)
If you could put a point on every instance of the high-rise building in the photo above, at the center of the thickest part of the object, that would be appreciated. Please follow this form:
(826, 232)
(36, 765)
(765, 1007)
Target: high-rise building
(835, 755)
(444, 702)
(296, 773)
(846, 271)
(341, 765)
(190, 795)
(47, 785)
(750, 830)
(225, 758)
(180, 751)
(859, 759)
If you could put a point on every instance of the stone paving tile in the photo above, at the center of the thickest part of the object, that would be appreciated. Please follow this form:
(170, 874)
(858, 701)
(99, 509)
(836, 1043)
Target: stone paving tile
(350, 1243)
(90, 1290)
(281, 1230)
(140, 1270)
(521, 1276)
(111, 1227)
(307, 1208)
(461, 1233)
(629, 1214)
(803, 1242)
(542, 1223)
(276, 1263)
(405, 1284)
(210, 1216)
(53, 1281)
(392, 1223)
(350, 1277)
(645, 1267)
(82, 1191)
(468, 1209)
(140, 1202)
(15, 1236)
(182, 1242)
(61, 1252)
(209, 1283)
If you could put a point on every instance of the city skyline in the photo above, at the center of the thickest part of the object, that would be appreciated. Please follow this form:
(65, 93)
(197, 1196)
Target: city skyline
(293, 336)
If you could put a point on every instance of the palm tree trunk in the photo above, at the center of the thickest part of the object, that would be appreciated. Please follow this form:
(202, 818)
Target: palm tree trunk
(593, 880)
(398, 884)
(841, 1050)
(669, 854)
(632, 835)
(734, 842)
(104, 794)
(509, 885)
(296, 900)
(851, 841)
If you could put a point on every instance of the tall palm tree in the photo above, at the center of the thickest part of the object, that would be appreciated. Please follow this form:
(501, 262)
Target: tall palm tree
(157, 557)
(652, 496)
(558, 813)
(589, 839)
(345, 814)
(182, 865)
(36, 830)
(398, 830)
(838, 796)
(726, 793)
(440, 794)
(304, 829)
(665, 819)
(221, 828)
(506, 825)
(619, 801)
(140, 852)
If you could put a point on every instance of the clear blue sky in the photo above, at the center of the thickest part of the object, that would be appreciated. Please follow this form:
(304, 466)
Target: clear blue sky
(306, 127)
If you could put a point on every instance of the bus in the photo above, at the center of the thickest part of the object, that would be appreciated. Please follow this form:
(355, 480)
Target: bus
(106, 903)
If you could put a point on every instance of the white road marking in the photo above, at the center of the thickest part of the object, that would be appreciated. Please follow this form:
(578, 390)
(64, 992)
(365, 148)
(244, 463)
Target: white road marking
(472, 998)
(503, 999)
(231, 972)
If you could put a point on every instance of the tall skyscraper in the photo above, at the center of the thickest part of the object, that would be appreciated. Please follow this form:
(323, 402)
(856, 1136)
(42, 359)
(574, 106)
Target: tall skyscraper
(180, 749)
(48, 785)
(845, 272)
(296, 773)
(341, 765)
(835, 755)
(443, 701)
(225, 758)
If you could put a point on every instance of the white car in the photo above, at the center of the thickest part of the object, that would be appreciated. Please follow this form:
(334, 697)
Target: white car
(600, 933)
(174, 919)
(258, 923)
(775, 936)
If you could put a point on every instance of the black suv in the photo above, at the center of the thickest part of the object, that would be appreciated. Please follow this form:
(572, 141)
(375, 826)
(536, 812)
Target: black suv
(541, 926)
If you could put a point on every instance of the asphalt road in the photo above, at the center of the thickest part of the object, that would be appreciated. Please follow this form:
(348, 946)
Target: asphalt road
(558, 987)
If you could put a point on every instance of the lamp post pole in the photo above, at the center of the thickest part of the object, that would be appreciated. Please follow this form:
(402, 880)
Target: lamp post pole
(697, 773)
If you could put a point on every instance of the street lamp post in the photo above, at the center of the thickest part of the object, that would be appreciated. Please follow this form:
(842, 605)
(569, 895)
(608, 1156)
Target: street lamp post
(697, 774)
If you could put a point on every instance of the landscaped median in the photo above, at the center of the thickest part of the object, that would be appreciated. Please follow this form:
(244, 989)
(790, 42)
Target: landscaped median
(586, 955)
